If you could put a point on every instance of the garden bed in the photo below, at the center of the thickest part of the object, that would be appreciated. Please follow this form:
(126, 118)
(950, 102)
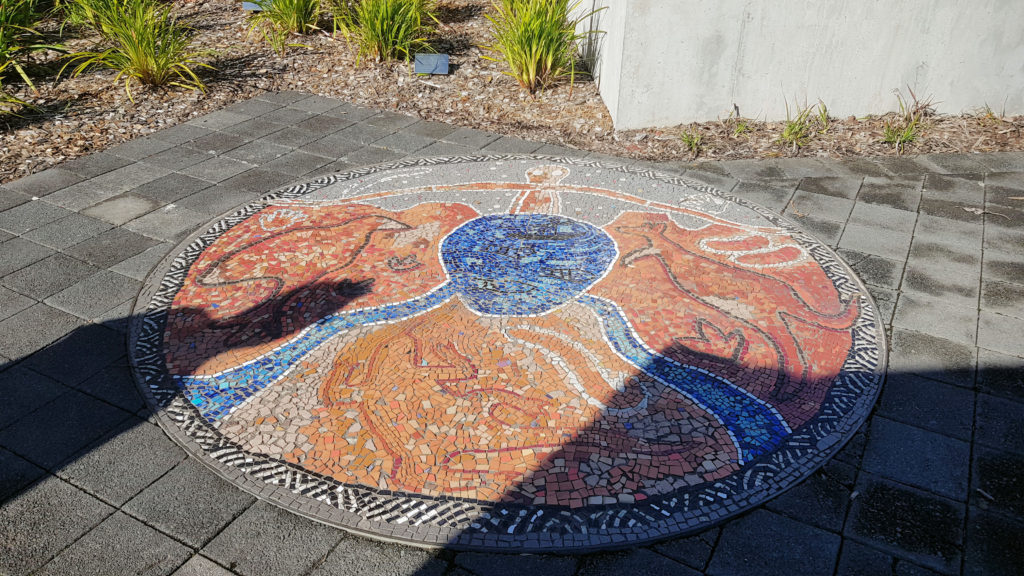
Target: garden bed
(77, 116)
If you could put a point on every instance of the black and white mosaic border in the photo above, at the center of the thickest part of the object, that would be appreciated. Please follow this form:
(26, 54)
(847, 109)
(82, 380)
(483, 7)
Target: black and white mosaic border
(469, 524)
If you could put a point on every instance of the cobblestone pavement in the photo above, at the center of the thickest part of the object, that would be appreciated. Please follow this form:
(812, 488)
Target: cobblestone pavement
(933, 483)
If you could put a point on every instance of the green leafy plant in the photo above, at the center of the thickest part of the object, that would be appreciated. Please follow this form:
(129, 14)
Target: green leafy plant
(18, 39)
(796, 131)
(740, 128)
(693, 141)
(823, 118)
(95, 15)
(906, 126)
(537, 40)
(149, 46)
(278, 19)
(386, 29)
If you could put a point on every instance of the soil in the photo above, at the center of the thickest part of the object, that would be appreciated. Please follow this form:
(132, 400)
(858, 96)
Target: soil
(78, 116)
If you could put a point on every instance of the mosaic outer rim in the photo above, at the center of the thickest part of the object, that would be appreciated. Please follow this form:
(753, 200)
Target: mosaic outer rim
(292, 488)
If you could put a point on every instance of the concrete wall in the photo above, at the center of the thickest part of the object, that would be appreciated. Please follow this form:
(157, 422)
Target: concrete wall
(666, 62)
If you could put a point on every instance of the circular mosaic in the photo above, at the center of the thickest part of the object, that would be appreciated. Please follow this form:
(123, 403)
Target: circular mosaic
(508, 352)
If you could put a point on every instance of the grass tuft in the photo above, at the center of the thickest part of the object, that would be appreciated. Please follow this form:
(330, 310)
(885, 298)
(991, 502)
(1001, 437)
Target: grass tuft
(386, 29)
(693, 141)
(149, 46)
(278, 19)
(537, 40)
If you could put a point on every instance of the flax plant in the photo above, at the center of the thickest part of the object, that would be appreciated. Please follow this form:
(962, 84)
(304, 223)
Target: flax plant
(17, 39)
(386, 29)
(537, 40)
(149, 46)
(278, 19)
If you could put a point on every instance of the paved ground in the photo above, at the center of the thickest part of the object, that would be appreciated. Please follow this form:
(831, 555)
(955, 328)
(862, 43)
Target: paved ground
(89, 485)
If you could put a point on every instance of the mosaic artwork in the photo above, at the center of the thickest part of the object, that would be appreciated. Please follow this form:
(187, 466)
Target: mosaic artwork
(508, 352)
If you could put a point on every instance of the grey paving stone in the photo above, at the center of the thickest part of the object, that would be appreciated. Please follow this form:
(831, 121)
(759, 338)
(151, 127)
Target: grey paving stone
(23, 391)
(1000, 375)
(641, 561)
(253, 129)
(856, 559)
(16, 474)
(754, 170)
(887, 243)
(252, 108)
(9, 198)
(883, 216)
(952, 210)
(1005, 266)
(178, 157)
(1001, 333)
(839, 187)
(213, 170)
(951, 163)
(200, 566)
(1003, 161)
(928, 404)
(81, 353)
(908, 523)
(819, 500)
(117, 317)
(336, 167)
(121, 209)
(444, 149)
(902, 165)
(295, 137)
(346, 111)
(874, 270)
(115, 385)
(33, 328)
(17, 253)
(404, 142)
(372, 155)
(560, 151)
(333, 146)
(139, 148)
(316, 104)
(52, 508)
(999, 423)
(218, 200)
(45, 182)
(774, 196)
(287, 116)
(953, 283)
(932, 357)
(355, 555)
(806, 167)
(82, 195)
(750, 545)
(923, 459)
(110, 247)
(48, 276)
(61, 428)
(1003, 239)
(512, 565)
(965, 189)
(511, 145)
(997, 480)
(296, 163)
(95, 295)
(140, 265)
(899, 194)
(95, 164)
(329, 124)
(723, 183)
(937, 317)
(119, 546)
(819, 206)
(266, 539)
(1003, 298)
(859, 168)
(693, 551)
(170, 223)
(181, 133)
(213, 503)
(257, 181)
(885, 300)
(11, 303)
(116, 467)
(363, 133)
(283, 97)
(392, 121)
(993, 545)
(826, 231)
(432, 130)
(904, 568)
(965, 235)
(217, 143)
(257, 152)
(471, 138)
(218, 120)
(30, 215)
(67, 231)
